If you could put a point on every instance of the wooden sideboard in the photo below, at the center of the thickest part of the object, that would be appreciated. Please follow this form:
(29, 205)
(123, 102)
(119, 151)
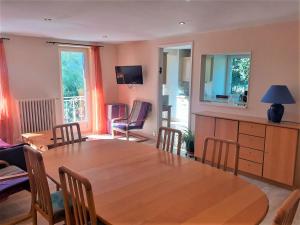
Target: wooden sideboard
(267, 149)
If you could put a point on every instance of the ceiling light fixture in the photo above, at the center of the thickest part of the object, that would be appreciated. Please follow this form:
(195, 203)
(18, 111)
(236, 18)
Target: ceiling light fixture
(47, 19)
(181, 23)
(105, 36)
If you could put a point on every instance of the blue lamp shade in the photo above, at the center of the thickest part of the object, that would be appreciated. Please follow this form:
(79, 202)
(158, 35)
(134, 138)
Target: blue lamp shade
(278, 94)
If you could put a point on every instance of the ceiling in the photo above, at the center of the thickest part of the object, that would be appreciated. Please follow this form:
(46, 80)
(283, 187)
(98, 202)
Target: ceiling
(119, 21)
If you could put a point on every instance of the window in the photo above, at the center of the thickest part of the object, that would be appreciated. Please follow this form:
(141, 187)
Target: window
(225, 78)
(74, 89)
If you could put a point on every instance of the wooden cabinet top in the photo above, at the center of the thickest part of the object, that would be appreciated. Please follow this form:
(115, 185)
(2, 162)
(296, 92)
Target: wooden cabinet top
(248, 119)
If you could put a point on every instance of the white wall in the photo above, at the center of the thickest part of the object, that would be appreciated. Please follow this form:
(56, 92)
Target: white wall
(33, 67)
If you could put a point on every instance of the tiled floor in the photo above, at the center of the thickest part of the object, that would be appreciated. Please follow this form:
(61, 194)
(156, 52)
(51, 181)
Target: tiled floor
(276, 196)
(19, 203)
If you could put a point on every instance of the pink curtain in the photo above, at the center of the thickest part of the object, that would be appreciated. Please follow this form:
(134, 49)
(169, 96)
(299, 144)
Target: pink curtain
(6, 101)
(98, 105)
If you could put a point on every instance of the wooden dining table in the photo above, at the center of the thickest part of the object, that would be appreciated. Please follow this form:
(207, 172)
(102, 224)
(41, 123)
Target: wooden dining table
(135, 183)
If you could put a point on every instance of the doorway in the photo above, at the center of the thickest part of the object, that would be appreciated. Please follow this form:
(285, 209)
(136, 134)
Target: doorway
(175, 86)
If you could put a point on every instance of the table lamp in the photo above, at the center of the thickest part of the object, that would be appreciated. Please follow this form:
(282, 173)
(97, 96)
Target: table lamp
(277, 95)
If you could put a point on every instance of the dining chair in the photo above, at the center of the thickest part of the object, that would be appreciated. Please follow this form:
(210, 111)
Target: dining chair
(286, 213)
(219, 153)
(78, 190)
(135, 121)
(67, 134)
(50, 206)
(166, 139)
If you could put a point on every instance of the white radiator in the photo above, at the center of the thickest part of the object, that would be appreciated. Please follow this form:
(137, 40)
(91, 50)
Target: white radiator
(36, 114)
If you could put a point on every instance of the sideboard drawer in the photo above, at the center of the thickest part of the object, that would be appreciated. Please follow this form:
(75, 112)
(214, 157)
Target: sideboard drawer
(252, 129)
(250, 167)
(251, 154)
(252, 142)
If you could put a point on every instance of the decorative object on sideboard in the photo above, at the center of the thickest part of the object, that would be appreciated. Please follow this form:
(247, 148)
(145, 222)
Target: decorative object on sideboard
(277, 95)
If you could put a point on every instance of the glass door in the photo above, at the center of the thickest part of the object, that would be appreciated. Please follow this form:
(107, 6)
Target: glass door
(74, 86)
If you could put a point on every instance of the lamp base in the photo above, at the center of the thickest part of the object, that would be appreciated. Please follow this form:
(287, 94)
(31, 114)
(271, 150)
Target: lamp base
(275, 113)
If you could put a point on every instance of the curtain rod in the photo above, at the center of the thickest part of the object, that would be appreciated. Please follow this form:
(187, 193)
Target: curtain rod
(5, 39)
(66, 43)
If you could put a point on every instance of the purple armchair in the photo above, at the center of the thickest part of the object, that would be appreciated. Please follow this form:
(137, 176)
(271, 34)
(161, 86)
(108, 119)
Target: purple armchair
(135, 121)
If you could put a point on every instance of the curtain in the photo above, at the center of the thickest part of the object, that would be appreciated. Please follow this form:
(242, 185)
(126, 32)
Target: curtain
(99, 122)
(6, 101)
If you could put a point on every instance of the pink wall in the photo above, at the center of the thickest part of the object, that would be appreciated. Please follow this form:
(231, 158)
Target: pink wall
(141, 53)
(34, 72)
(275, 60)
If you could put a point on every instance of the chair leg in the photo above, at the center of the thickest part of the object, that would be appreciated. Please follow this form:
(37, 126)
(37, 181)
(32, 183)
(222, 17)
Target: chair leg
(127, 135)
(113, 133)
(34, 217)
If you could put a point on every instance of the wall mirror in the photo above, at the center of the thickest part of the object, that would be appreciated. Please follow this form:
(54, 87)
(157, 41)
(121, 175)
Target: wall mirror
(225, 79)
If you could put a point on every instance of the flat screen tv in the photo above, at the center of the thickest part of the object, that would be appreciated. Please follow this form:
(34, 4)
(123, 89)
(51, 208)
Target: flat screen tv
(129, 74)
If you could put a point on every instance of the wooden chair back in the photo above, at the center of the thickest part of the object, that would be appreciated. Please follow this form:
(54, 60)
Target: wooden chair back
(166, 139)
(67, 134)
(77, 190)
(218, 154)
(286, 213)
(41, 200)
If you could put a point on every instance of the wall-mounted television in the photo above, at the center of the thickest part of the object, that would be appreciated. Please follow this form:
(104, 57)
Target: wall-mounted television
(129, 74)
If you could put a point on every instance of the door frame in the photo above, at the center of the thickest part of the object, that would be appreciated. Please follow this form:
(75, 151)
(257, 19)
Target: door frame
(159, 91)
(84, 125)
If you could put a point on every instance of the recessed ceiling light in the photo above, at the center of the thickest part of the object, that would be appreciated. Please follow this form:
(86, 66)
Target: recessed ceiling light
(47, 19)
(181, 23)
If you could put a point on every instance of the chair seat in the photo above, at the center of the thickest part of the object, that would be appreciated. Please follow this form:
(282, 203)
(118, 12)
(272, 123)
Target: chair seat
(8, 187)
(57, 201)
(123, 126)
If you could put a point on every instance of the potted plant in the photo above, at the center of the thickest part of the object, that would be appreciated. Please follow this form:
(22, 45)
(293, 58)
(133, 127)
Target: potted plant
(188, 138)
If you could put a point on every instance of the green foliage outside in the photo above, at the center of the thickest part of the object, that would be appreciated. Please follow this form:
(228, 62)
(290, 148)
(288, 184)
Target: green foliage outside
(72, 73)
(72, 64)
(240, 74)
